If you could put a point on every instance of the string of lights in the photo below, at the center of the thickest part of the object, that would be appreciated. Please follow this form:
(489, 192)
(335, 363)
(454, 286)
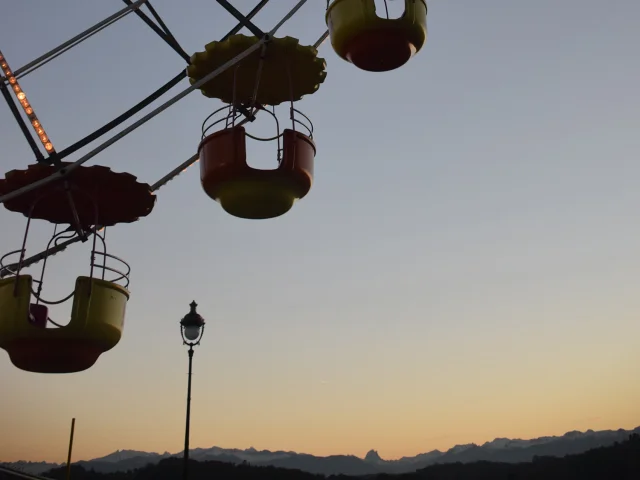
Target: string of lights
(26, 106)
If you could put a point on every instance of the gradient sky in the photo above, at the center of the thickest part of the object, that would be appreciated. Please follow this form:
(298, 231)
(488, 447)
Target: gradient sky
(465, 267)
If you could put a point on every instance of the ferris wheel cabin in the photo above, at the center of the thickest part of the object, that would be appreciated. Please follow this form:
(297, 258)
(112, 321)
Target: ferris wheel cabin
(361, 36)
(92, 199)
(284, 73)
(97, 321)
(252, 193)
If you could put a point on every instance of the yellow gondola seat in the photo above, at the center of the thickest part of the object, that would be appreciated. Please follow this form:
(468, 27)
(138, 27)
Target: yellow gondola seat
(372, 43)
(251, 193)
(97, 321)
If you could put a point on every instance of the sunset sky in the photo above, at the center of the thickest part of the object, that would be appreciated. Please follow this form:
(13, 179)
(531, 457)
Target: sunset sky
(466, 266)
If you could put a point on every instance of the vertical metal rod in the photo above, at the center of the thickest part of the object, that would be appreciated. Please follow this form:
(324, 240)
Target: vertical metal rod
(185, 467)
(23, 251)
(104, 250)
(73, 427)
(44, 265)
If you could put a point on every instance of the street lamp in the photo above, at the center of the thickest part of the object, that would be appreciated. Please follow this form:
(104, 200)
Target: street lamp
(191, 329)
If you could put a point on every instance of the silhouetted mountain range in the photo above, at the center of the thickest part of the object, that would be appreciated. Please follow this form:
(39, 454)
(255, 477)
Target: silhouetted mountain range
(620, 461)
(499, 450)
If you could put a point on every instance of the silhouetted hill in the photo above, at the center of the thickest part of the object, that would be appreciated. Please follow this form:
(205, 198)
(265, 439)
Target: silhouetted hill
(620, 461)
(499, 450)
(333, 465)
(171, 468)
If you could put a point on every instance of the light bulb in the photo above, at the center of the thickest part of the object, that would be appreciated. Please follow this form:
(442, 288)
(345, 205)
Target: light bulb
(35, 123)
(48, 147)
(192, 332)
(21, 95)
(12, 80)
(29, 110)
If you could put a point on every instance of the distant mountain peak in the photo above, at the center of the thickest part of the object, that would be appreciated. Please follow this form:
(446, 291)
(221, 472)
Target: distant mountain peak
(461, 448)
(372, 456)
(120, 455)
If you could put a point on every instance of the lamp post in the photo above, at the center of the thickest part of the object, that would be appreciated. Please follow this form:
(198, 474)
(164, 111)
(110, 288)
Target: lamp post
(191, 329)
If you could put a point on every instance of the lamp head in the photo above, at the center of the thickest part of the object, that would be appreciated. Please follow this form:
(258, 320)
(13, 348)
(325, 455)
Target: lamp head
(192, 325)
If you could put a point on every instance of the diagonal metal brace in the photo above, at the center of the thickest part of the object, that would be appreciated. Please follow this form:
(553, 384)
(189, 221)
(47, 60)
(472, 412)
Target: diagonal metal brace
(241, 18)
(163, 34)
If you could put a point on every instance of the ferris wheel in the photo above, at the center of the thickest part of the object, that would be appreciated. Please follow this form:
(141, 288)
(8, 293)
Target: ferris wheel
(251, 75)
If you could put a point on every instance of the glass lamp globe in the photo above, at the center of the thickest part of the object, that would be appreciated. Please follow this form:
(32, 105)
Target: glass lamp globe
(192, 332)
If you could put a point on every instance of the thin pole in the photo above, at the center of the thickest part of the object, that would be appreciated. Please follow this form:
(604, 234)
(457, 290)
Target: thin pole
(185, 467)
(73, 427)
